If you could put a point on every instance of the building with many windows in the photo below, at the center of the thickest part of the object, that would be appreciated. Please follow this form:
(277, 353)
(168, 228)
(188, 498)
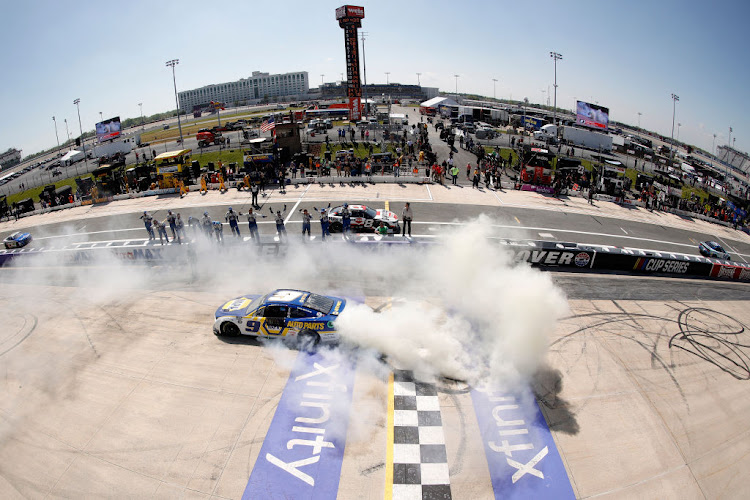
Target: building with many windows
(10, 158)
(258, 88)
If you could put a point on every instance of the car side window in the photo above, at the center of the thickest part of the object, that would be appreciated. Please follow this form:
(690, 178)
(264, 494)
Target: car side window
(275, 312)
(298, 312)
(357, 213)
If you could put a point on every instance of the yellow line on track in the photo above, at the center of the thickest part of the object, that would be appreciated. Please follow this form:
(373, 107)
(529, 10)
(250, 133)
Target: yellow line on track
(389, 447)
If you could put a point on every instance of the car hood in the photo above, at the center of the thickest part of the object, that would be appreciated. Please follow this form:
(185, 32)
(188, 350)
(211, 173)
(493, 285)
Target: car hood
(239, 306)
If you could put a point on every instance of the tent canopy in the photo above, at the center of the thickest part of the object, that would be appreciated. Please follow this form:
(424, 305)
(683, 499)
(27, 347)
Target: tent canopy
(439, 101)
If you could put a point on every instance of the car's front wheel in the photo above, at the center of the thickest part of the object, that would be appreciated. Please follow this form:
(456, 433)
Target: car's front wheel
(228, 329)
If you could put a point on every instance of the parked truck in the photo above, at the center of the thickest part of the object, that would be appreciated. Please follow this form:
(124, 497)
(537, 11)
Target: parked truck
(207, 137)
(546, 133)
(111, 148)
(587, 139)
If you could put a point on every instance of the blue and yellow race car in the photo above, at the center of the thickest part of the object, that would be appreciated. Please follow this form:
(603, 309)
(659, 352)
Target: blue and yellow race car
(304, 316)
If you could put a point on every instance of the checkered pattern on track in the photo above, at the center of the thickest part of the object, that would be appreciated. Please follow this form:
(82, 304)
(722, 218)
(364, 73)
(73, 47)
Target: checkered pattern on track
(420, 463)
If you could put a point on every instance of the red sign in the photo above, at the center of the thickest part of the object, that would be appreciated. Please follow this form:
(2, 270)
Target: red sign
(355, 109)
(350, 11)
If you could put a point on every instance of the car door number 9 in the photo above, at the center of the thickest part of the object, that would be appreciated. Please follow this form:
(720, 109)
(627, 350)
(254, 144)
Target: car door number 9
(252, 326)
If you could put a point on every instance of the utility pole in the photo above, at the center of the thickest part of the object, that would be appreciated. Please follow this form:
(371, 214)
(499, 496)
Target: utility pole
(494, 94)
(386, 77)
(456, 76)
(140, 105)
(418, 82)
(639, 119)
(556, 57)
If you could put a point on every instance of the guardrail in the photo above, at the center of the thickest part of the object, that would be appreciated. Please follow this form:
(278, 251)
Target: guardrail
(544, 254)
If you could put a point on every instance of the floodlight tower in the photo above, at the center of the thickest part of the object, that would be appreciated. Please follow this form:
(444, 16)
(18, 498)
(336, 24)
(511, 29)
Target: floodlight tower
(556, 57)
(350, 19)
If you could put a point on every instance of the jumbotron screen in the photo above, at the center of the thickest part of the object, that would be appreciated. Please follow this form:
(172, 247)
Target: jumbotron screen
(592, 115)
(108, 129)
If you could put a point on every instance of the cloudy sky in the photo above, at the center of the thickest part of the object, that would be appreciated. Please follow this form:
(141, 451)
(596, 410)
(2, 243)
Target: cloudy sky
(629, 56)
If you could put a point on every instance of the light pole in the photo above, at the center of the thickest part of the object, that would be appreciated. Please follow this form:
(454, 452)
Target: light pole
(456, 76)
(67, 132)
(639, 119)
(678, 131)
(387, 82)
(543, 95)
(321, 79)
(675, 98)
(101, 117)
(172, 63)
(77, 102)
(555, 57)
(140, 105)
(494, 94)
(418, 82)
(729, 140)
(56, 136)
(713, 146)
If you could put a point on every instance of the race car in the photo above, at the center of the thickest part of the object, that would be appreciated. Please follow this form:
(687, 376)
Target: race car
(17, 240)
(364, 219)
(291, 314)
(713, 249)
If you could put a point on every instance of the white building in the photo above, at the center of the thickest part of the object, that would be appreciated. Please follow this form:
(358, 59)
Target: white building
(258, 87)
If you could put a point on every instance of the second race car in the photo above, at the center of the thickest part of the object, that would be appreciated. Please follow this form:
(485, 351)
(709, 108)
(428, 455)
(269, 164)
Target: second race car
(713, 249)
(364, 219)
(283, 313)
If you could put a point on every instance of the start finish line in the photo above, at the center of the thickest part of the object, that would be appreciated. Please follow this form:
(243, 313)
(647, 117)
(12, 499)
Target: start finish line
(521, 454)
(303, 450)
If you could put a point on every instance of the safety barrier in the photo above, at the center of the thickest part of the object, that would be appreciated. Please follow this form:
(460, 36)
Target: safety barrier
(544, 254)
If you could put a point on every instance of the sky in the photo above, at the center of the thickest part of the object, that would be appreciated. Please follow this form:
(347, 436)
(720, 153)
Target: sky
(629, 56)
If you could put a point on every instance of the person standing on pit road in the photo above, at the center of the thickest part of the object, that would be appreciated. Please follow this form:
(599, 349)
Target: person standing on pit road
(346, 219)
(172, 220)
(162, 230)
(148, 222)
(406, 216)
(454, 174)
(254, 189)
(232, 217)
(207, 224)
(306, 218)
(324, 221)
(252, 225)
(180, 224)
(218, 231)
(280, 221)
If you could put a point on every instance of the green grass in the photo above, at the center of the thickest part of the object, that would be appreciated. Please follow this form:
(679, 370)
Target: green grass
(698, 192)
(226, 157)
(33, 193)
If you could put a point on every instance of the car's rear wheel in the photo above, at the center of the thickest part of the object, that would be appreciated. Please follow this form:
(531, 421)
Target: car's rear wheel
(229, 329)
(336, 227)
(308, 340)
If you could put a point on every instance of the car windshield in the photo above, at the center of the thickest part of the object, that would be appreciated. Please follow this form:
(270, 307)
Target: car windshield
(319, 303)
(370, 212)
(255, 304)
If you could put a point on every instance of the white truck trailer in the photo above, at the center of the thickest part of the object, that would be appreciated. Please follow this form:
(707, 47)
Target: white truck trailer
(110, 148)
(587, 138)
